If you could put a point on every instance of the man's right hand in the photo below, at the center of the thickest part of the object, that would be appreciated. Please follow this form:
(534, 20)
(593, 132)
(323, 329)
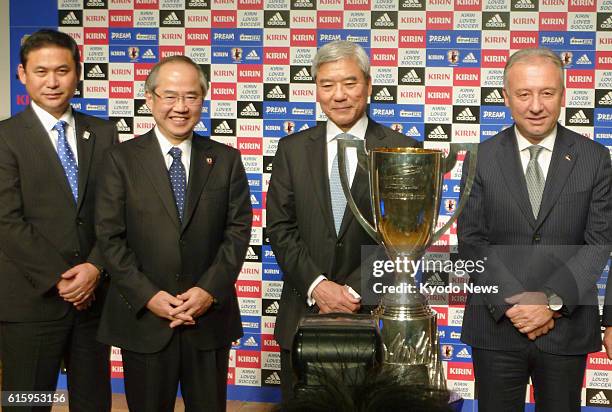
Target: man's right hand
(542, 330)
(332, 297)
(162, 303)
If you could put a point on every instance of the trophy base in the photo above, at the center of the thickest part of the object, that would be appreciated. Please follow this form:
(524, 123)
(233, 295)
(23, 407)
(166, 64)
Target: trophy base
(410, 338)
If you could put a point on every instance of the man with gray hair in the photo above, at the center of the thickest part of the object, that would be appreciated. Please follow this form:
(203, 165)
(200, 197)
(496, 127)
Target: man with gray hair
(540, 215)
(315, 237)
(173, 219)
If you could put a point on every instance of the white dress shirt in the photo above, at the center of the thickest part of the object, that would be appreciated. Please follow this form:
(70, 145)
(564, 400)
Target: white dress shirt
(49, 121)
(185, 147)
(548, 143)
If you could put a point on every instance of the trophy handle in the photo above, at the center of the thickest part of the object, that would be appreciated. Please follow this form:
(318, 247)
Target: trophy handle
(449, 163)
(362, 162)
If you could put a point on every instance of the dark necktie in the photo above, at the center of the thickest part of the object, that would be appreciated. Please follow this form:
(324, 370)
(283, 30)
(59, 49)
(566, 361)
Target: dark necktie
(67, 159)
(178, 180)
(535, 179)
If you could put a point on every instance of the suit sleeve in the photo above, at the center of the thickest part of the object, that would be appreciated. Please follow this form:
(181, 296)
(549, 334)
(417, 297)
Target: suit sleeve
(220, 277)
(474, 245)
(20, 242)
(291, 252)
(119, 259)
(578, 276)
(95, 256)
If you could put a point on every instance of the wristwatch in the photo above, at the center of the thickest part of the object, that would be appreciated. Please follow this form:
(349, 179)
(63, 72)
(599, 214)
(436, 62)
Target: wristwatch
(555, 303)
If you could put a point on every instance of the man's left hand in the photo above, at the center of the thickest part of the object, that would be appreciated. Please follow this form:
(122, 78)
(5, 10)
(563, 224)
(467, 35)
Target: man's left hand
(530, 311)
(196, 301)
(78, 283)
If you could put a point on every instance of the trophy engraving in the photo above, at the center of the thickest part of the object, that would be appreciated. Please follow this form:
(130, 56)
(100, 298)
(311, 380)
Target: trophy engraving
(405, 194)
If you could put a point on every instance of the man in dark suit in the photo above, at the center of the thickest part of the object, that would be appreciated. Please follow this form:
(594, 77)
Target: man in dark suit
(316, 239)
(51, 287)
(540, 214)
(173, 218)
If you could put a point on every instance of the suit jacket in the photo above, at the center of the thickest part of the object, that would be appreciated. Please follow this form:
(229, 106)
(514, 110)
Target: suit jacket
(147, 248)
(300, 223)
(563, 250)
(43, 232)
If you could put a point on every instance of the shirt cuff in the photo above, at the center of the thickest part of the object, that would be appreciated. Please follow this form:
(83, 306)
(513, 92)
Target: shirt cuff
(310, 301)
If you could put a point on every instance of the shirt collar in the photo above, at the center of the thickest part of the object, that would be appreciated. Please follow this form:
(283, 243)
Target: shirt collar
(165, 144)
(547, 143)
(48, 120)
(358, 130)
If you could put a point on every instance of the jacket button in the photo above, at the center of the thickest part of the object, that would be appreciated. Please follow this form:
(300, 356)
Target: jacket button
(79, 221)
(339, 244)
(536, 238)
(76, 253)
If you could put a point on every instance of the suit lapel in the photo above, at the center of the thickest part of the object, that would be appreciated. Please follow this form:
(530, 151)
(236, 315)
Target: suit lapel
(202, 162)
(85, 139)
(510, 166)
(316, 154)
(154, 167)
(562, 162)
(37, 136)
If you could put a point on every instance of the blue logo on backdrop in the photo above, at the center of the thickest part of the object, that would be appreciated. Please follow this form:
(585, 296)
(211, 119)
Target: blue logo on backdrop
(450, 188)
(411, 112)
(271, 271)
(256, 200)
(414, 130)
(267, 255)
(449, 334)
(234, 55)
(254, 181)
(236, 37)
(603, 117)
(134, 36)
(361, 37)
(489, 130)
(384, 112)
(251, 324)
(284, 110)
(603, 134)
(94, 107)
(282, 128)
(133, 54)
(250, 341)
(453, 57)
(443, 39)
(495, 115)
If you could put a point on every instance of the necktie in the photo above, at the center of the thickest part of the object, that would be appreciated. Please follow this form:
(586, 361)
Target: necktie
(338, 199)
(535, 179)
(67, 159)
(178, 180)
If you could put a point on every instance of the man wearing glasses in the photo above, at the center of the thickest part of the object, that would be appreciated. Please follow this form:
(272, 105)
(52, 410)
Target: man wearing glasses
(173, 219)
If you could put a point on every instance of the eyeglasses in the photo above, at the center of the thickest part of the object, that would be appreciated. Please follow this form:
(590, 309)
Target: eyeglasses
(172, 99)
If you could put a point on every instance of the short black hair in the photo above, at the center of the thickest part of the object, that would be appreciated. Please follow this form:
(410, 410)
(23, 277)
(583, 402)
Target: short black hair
(50, 38)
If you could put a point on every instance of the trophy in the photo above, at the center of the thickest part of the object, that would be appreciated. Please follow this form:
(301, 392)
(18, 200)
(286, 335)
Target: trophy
(405, 192)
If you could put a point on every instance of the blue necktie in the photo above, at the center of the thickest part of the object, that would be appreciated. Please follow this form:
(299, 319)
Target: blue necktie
(178, 180)
(338, 199)
(64, 152)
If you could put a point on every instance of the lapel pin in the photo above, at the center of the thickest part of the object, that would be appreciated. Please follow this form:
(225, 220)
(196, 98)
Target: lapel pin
(568, 157)
(86, 135)
(209, 161)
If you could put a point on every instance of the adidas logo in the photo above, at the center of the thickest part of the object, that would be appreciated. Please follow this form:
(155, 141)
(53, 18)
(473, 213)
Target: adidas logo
(144, 109)
(200, 127)
(411, 77)
(252, 55)
(383, 94)
(579, 118)
(272, 309)
(494, 97)
(250, 342)
(122, 126)
(413, 132)
(276, 93)
(384, 21)
(250, 254)
(303, 75)
(70, 19)
(438, 134)
(524, 4)
(303, 4)
(495, 22)
(96, 72)
(411, 4)
(463, 353)
(304, 127)
(600, 399)
(172, 19)
(470, 58)
(223, 128)
(249, 110)
(466, 116)
(435, 280)
(94, 3)
(584, 59)
(273, 379)
(197, 3)
(606, 99)
(148, 54)
(607, 23)
(276, 20)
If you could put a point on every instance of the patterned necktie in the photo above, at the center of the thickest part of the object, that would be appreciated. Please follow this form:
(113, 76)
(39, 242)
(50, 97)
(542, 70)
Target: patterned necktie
(178, 180)
(535, 179)
(67, 159)
(338, 199)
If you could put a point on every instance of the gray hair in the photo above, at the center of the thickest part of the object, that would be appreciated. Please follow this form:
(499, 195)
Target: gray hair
(151, 82)
(338, 50)
(527, 55)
